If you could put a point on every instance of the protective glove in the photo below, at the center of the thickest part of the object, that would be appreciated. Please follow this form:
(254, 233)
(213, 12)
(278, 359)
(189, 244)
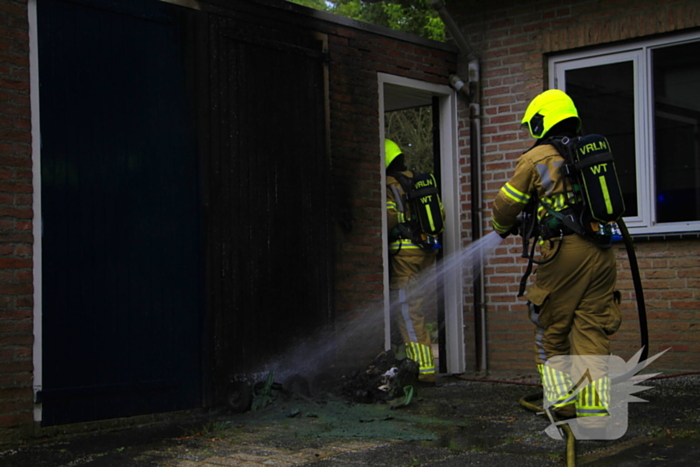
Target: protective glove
(514, 230)
(403, 230)
(395, 233)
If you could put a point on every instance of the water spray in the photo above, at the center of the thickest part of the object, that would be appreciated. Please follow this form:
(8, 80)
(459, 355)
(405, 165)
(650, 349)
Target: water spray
(306, 366)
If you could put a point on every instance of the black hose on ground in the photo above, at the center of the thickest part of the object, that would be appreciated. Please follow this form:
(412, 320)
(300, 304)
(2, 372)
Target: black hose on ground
(638, 290)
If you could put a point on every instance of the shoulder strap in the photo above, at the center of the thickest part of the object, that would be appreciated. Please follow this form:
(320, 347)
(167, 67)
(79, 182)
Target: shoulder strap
(397, 197)
(405, 183)
(403, 180)
(561, 144)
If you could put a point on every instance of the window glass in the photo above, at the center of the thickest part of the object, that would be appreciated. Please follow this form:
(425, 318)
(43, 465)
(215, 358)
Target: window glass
(604, 97)
(676, 75)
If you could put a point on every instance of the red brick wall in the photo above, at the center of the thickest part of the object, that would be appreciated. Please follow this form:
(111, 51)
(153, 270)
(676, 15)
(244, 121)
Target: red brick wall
(15, 218)
(512, 39)
(355, 59)
(670, 273)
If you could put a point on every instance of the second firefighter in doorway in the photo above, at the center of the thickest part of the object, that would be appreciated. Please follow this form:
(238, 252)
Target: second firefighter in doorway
(415, 218)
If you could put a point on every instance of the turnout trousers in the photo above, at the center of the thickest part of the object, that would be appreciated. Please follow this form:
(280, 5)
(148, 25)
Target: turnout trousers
(574, 306)
(407, 302)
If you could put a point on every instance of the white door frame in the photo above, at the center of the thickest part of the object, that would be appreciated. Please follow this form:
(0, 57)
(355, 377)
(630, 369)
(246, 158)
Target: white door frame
(449, 163)
(36, 204)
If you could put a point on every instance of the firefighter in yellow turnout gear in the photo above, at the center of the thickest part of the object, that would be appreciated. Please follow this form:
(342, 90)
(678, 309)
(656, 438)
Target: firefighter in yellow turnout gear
(408, 260)
(572, 302)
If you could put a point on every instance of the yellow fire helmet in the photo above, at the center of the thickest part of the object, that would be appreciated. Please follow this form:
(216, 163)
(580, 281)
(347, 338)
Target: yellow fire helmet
(548, 109)
(391, 151)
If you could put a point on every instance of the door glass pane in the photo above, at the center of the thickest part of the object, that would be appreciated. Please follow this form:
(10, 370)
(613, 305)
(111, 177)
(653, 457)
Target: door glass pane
(677, 132)
(604, 97)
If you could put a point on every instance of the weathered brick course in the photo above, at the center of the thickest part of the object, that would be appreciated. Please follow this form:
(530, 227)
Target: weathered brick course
(16, 215)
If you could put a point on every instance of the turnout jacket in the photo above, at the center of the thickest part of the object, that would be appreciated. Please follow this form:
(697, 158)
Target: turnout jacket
(397, 213)
(537, 174)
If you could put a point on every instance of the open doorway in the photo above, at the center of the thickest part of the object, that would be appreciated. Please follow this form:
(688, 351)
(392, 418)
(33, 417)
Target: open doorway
(421, 118)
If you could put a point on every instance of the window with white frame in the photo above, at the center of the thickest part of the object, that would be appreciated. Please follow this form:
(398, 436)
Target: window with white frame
(645, 98)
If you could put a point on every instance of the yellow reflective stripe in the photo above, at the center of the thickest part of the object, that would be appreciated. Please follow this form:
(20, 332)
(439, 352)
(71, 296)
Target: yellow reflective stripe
(602, 387)
(556, 202)
(430, 219)
(421, 354)
(606, 194)
(403, 244)
(556, 385)
(594, 399)
(516, 191)
(500, 228)
(515, 194)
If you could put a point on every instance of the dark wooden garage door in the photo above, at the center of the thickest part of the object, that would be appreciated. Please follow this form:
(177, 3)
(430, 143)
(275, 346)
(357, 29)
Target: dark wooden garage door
(269, 201)
(122, 272)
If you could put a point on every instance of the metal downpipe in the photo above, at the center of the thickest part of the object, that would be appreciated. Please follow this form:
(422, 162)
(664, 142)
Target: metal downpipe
(472, 91)
(478, 233)
(452, 27)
